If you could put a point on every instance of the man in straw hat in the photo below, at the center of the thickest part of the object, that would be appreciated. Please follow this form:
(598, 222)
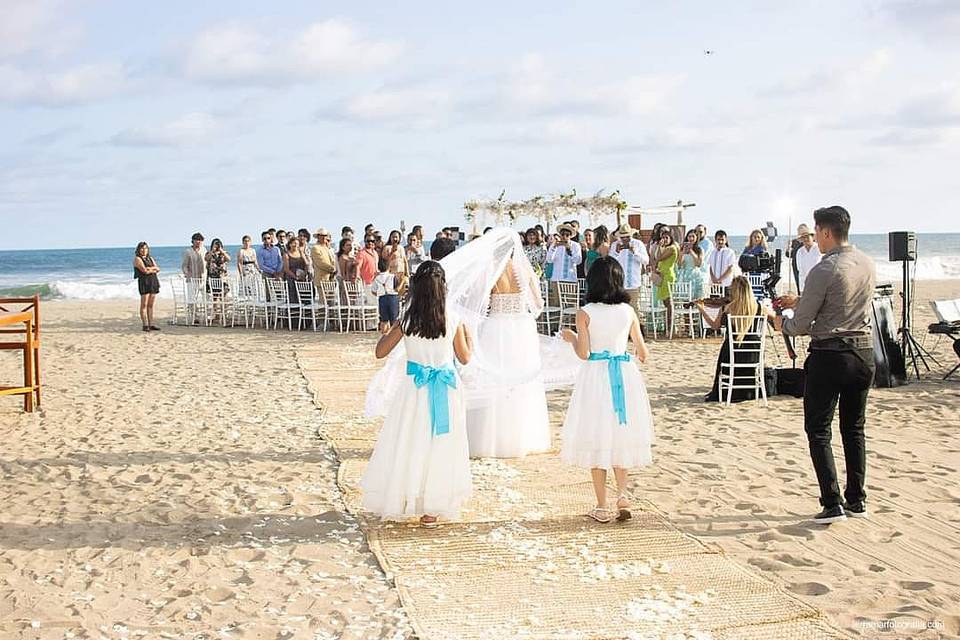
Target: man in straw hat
(633, 257)
(564, 255)
(322, 258)
(805, 256)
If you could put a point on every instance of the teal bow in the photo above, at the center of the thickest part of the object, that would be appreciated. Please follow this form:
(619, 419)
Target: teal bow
(439, 378)
(616, 380)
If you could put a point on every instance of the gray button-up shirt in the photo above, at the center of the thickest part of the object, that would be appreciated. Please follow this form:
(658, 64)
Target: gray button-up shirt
(193, 264)
(837, 297)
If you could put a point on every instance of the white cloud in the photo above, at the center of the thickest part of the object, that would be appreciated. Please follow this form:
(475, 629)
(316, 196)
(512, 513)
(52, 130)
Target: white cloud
(237, 53)
(61, 88)
(939, 108)
(908, 138)
(672, 138)
(850, 77)
(420, 107)
(533, 87)
(930, 18)
(34, 26)
(189, 129)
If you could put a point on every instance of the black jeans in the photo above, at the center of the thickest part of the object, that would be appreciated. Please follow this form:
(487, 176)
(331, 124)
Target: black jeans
(832, 376)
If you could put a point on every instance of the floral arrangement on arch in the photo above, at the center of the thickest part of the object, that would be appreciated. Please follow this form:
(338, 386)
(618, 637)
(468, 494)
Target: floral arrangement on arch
(547, 209)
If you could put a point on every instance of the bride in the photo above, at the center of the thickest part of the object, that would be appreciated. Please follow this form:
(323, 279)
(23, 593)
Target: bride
(493, 290)
(510, 419)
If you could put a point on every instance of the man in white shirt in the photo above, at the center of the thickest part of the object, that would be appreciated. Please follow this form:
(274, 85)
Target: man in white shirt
(722, 261)
(808, 255)
(703, 241)
(564, 255)
(633, 257)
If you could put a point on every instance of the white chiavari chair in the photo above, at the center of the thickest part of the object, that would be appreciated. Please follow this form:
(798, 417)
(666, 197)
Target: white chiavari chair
(550, 316)
(569, 295)
(334, 309)
(745, 367)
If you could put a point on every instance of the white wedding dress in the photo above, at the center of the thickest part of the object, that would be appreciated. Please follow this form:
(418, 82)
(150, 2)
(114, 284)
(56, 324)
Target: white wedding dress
(510, 421)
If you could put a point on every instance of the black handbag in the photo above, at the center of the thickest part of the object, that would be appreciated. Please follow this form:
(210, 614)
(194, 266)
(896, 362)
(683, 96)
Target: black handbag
(790, 382)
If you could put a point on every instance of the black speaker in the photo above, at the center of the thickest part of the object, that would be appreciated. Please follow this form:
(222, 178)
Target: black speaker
(902, 245)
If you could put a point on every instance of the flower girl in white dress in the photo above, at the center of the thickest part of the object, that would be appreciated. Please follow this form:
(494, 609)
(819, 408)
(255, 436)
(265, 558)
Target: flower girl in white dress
(609, 422)
(421, 464)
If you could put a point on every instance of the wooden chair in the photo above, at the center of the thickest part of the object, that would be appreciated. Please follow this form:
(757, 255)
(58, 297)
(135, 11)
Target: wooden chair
(26, 312)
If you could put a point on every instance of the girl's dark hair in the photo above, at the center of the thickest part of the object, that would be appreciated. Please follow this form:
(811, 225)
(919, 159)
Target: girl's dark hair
(390, 237)
(343, 242)
(694, 246)
(141, 245)
(425, 314)
(291, 241)
(600, 235)
(605, 282)
(215, 242)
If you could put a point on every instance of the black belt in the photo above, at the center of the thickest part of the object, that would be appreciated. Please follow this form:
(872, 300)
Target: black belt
(842, 343)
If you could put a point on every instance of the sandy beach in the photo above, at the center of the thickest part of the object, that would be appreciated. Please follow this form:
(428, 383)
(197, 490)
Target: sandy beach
(174, 486)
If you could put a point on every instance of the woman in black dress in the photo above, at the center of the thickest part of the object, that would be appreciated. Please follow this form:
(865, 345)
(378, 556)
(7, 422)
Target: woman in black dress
(145, 270)
(217, 259)
(742, 303)
(294, 268)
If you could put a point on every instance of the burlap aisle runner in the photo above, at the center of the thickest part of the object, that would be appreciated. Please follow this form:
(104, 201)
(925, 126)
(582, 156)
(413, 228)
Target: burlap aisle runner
(525, 563)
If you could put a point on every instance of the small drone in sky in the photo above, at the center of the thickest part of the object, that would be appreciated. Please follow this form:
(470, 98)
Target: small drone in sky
(708, 52)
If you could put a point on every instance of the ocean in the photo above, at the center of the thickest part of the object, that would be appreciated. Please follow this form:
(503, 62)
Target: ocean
(106, 274)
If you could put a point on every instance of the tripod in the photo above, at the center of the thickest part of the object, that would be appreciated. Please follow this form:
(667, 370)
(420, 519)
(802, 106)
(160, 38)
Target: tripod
(912, 350)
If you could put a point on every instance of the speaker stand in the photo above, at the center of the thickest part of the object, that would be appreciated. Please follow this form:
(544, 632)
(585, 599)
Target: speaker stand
(912, 350)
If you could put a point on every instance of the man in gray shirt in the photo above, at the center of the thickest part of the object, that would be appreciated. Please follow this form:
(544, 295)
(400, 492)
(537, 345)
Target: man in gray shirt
(835, 311)
(193, 265)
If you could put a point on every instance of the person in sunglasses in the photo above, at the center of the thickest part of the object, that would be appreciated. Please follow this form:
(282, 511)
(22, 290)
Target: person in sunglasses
(366, 261)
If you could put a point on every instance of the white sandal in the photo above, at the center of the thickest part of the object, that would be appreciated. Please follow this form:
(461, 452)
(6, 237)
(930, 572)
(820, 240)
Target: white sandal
(600, 514)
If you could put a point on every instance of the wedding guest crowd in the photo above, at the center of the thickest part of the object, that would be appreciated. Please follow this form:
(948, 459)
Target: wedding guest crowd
(702, 265)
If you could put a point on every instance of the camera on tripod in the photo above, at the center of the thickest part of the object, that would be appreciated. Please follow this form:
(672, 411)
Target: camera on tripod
(764, 263)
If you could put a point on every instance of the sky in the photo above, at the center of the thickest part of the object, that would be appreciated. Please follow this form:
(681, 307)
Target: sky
(128, 121)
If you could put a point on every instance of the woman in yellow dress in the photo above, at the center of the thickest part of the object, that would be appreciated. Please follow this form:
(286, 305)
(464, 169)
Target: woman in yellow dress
(665, 274)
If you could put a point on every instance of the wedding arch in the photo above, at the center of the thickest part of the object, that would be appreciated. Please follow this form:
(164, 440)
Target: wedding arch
(548, 209)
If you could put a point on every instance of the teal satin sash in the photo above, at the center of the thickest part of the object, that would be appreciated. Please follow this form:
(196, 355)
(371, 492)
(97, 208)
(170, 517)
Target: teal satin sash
(616, 380)
(437, 379)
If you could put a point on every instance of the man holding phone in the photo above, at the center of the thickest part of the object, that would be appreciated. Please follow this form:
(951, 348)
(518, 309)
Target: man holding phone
(564, 255)
(633, 258)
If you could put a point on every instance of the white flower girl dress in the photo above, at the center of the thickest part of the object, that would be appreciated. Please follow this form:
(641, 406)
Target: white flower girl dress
(595, 434)
(421, 462)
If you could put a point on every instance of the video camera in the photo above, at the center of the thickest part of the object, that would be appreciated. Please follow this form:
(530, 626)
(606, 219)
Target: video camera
(758, 263)
(764, 263)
